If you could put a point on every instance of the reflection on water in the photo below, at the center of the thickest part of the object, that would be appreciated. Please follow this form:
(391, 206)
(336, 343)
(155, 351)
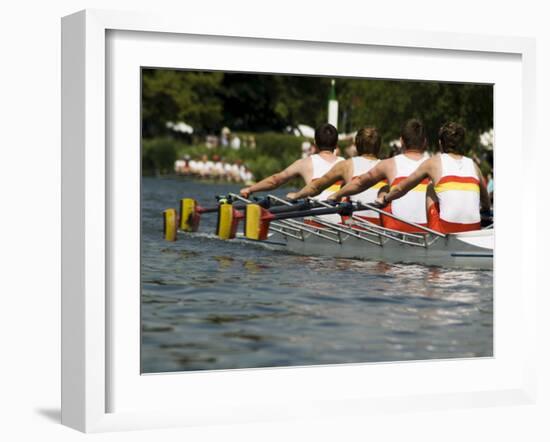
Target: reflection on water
(209, 304)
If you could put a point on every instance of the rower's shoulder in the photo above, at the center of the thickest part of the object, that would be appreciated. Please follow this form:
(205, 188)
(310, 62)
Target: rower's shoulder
(300, 165)
(432, 164)
(387, 162)
(340, 165)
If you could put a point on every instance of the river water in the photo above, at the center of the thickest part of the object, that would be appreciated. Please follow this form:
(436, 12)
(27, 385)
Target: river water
(209, 304)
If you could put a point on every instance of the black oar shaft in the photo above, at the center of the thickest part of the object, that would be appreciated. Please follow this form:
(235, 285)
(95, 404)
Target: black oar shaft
(284, 209)
(309, 212)
(276, 209)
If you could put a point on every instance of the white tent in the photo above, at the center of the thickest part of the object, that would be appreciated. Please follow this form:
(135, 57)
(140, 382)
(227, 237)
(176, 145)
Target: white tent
(180, 127)
(304, 130)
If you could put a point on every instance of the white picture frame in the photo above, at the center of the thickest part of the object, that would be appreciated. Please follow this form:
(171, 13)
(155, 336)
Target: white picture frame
(87, 209)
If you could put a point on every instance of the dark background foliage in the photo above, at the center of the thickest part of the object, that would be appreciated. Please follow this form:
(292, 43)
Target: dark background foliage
(269, 105)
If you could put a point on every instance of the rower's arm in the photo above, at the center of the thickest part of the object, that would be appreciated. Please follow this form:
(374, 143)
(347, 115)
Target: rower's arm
(274, 181)
(383, 191)
(315, 187)
(483, 193)
(364, 181)
(409, 183)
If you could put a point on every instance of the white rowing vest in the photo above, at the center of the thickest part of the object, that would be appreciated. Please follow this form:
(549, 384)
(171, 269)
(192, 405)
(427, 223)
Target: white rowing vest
(320, 167)
(412, 206)
(458, 191)
(362, 165)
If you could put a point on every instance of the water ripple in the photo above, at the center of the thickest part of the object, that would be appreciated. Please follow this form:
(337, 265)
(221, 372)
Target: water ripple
(212, 304)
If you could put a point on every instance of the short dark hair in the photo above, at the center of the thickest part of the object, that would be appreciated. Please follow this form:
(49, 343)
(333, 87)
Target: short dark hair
(326, 137)
(451, 137)
(367, 140)
(413, 134)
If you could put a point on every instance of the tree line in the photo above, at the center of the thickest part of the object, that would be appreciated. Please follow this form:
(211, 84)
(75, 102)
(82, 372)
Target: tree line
(208, 101)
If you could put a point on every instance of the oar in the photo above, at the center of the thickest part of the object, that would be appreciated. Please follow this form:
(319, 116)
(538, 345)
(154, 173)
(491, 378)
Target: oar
(191, 211)
(257, 218)
(229, 214)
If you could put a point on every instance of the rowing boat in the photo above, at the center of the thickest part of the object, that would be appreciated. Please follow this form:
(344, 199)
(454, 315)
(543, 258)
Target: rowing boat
(295, 228)
(471, 250)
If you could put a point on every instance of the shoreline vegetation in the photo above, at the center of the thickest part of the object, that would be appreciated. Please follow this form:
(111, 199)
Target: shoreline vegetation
(271, 152)
(263, 121)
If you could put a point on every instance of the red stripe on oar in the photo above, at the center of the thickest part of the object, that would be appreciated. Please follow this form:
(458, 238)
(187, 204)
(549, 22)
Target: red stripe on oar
(458, 179)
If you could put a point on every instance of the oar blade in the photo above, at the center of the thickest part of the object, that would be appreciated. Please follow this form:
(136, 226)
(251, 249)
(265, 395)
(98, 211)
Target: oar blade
(228, 221)
(170, 224)
(190, 215)
(257, 219)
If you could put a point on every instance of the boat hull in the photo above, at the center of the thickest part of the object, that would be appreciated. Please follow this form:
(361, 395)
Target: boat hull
(472, 250)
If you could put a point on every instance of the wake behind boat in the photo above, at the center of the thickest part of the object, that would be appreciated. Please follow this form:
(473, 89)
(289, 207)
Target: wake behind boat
(298, 227)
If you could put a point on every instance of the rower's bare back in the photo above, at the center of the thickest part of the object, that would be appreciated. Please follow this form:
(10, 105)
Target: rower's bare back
(389, 165)
(307, 165)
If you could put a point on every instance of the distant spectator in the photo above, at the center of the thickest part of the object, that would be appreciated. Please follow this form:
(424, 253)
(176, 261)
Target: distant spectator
(179, 166)
(224, 137)
(235, 142)
(216, 168)
(211, 141)
(208, 166)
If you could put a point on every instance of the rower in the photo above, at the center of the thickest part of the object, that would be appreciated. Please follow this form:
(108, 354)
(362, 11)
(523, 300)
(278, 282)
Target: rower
(309, 169)
(459, 185)
(412, 207)
(367, 144)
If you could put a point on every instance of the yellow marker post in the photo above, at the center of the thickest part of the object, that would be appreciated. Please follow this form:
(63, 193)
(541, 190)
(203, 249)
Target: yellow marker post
(170, 223)
(187, 211)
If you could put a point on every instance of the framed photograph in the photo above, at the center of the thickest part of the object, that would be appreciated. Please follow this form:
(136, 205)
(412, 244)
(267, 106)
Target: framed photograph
(223, 259)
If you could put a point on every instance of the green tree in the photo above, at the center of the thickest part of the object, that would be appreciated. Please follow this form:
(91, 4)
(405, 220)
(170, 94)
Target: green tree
(177, 95)
(387, 104)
